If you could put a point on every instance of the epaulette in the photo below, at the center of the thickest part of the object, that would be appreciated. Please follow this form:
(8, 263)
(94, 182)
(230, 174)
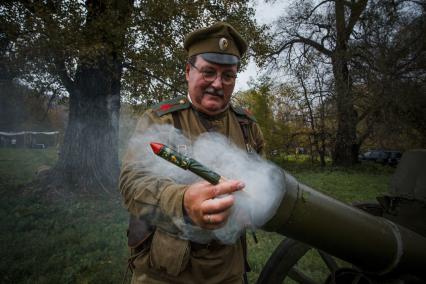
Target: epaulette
(170, 106)
(243, 112)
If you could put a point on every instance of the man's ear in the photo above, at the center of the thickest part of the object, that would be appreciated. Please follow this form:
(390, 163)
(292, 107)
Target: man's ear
(187, 69)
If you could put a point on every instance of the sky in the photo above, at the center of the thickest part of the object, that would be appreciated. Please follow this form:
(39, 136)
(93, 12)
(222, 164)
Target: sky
(266, 13)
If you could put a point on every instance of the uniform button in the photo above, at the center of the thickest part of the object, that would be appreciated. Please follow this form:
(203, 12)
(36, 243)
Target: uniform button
(182, 101)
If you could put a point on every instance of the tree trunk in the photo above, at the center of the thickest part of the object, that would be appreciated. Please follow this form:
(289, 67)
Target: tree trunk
(343, 154)
(88, 160)
(322, 154)
(322, 133)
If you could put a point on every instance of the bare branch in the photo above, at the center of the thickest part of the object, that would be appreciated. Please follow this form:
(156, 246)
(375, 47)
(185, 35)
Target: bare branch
(356, 11)
(306, 41)
(49, 105)
(316, 7)
(321, 48)
(61, 71)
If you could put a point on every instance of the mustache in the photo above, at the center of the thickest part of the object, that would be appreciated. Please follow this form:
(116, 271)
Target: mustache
(214, 92)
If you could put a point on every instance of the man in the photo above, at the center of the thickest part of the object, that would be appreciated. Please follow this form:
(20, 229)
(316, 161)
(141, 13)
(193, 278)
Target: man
(160, 255)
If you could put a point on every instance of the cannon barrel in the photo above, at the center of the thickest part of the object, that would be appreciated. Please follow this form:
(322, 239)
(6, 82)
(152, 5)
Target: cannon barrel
(373, 244)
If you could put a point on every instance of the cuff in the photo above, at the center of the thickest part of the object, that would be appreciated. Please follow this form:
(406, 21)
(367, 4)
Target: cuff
(171, 200)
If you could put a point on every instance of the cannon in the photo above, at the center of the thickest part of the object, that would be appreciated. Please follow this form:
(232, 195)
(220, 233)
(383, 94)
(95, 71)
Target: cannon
(383, 242)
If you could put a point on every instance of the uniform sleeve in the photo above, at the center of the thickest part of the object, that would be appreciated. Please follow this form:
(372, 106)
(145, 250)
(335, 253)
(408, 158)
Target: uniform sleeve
(157, 198)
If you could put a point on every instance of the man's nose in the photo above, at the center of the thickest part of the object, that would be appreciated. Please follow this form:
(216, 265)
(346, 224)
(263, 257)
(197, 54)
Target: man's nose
(217, 83)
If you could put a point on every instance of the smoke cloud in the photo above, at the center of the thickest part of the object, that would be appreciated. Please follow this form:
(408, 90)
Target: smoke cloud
(253, 206)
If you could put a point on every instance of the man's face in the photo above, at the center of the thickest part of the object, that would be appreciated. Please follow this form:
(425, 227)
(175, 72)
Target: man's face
(209, 97)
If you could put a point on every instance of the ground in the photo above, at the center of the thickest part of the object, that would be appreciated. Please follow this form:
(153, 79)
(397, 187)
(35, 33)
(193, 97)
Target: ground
(83, 240)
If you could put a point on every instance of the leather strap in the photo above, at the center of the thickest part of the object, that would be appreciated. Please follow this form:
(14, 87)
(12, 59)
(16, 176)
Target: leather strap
(176, 120)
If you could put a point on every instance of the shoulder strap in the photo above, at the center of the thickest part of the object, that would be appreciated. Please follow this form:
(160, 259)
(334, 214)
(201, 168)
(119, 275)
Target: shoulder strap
(245, 129)
(171, 106)
(245, 118)
(244, 125)
(176, 121)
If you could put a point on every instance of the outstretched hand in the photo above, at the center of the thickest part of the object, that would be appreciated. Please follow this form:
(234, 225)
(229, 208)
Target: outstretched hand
(202, 206)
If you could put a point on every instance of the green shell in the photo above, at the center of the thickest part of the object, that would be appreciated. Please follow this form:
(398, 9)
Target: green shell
(187, 163)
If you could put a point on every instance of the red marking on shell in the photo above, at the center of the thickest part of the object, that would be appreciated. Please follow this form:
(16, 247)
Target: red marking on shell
(156, 147)
(165, 107)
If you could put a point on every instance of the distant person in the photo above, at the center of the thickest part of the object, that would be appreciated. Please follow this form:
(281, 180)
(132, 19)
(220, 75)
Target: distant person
(160, 255)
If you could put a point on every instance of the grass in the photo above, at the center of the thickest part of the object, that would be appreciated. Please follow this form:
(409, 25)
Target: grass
(58, 241)
(63, 242)
(18, 165)
(83, 241)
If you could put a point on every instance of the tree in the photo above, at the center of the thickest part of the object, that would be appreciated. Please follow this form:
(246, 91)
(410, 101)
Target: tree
(100, 51)
(264, 100)
(390, 68)
(9, 104)
(381, 63)
(258, 101)
(313, 103)
(326, 27)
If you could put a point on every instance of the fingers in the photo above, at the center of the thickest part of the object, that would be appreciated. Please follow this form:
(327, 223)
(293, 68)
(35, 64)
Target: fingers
(211, 206)
(217, 210)
(216, 220)
(225, 187)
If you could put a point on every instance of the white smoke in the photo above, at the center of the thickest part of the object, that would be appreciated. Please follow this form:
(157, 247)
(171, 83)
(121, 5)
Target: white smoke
(253, 206)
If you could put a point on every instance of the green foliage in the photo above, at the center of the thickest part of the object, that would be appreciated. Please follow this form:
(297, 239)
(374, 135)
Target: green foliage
(155, 56)
(261, 101)
(101, 53)
(55, 41)
(82, 240)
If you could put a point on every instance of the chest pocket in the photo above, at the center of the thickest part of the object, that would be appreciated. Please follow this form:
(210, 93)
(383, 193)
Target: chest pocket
(244, 125)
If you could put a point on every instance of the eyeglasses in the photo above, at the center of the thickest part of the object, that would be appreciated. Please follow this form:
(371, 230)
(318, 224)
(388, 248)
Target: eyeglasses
(228, 78)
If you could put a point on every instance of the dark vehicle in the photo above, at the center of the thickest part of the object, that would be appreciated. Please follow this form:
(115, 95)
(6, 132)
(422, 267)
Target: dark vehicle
(384, 157)
(38, 146)
(394, 157)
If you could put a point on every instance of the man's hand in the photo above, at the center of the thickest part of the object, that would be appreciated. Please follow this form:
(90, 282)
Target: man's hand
(202, 206)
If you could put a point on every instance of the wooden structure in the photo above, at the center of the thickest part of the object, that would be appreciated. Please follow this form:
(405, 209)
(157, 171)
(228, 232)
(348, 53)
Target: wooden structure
(29, 139)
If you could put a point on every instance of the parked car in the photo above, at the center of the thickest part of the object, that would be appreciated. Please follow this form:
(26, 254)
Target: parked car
(385, 157)
(38, 146)
(394, 157)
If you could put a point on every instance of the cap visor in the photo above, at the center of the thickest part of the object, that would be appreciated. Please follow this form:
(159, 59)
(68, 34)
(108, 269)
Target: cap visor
(220, 58)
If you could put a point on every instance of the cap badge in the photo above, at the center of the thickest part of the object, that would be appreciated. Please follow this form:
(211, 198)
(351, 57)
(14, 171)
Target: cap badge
(223, 44)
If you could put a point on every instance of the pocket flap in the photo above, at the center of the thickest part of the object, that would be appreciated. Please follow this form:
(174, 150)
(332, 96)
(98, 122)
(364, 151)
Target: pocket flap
(169, 253)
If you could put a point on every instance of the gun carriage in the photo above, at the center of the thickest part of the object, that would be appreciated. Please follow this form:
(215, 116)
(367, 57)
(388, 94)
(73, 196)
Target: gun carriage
(383, 242)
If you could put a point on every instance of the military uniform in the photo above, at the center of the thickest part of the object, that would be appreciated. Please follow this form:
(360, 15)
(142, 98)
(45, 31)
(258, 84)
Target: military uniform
(168, 259)
(160, 253)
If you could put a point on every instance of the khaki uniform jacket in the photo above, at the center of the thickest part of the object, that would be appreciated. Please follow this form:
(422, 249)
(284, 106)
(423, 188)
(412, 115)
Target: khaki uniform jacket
(170, 259)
